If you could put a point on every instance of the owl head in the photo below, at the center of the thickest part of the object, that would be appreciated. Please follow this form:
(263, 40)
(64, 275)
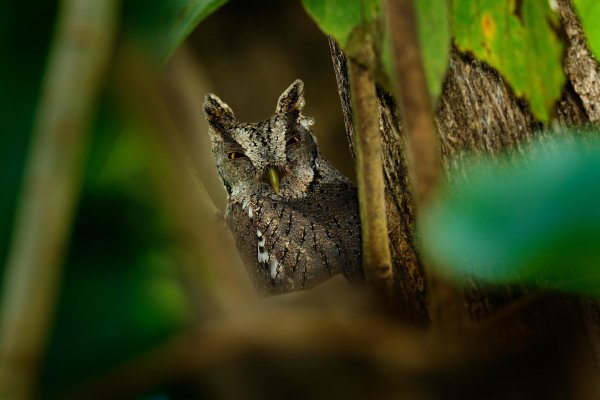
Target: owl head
(276, 157)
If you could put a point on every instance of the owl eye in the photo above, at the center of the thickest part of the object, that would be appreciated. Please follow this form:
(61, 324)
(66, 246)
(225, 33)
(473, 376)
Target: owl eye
(293, 140)
(234, 155)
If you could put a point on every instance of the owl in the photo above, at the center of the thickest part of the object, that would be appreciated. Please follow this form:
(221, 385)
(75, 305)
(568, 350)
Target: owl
(293, 216)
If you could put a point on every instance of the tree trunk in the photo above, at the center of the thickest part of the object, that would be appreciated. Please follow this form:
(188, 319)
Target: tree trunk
(477, 114)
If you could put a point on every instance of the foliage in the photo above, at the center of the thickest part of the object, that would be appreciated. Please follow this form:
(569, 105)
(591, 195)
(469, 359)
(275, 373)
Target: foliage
(340, 18)
(121, 293)
(434, 35)
(589, 15)
(534, 220)
(162, 25)
(343, 20)
(518, 39)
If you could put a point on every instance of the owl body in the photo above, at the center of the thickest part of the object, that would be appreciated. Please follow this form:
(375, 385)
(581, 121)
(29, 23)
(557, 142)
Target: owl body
(293, 216)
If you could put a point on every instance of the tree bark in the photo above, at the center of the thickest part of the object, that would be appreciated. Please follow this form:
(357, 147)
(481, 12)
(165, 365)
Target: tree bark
(477, 114)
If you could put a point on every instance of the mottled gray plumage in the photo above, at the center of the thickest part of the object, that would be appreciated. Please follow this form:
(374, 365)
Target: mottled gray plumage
(293, 216)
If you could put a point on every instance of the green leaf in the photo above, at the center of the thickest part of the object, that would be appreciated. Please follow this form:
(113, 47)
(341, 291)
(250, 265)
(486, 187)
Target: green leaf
(434, 36)
(161, 26)
(589, 15)
(535, 220)
(339, 18)
(516, 38)
(121, 293)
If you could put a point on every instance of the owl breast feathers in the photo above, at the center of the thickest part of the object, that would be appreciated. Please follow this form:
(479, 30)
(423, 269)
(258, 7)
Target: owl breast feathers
(294, 217)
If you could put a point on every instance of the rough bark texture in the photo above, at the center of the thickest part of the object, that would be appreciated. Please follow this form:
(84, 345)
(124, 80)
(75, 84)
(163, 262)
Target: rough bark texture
(580, 65)
(479, 114)
(409, 278)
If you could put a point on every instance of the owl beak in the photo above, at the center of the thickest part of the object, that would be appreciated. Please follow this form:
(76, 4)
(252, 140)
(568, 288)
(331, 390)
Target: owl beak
(273, 179)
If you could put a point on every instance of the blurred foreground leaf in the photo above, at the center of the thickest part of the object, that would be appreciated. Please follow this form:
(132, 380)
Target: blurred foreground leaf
(122, 292)
(518, 39)
(589, 15)
(536, 220)
(163, 25)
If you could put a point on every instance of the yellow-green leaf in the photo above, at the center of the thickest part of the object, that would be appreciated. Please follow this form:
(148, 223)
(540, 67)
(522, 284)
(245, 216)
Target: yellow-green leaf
(517, 38)
(589, 15)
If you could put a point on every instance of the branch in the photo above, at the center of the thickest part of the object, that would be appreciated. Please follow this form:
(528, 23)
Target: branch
(424, 156)
(409, 293)
(425, 161)
(76, 68)
(377, 262)
(269, 331)
(408, 354)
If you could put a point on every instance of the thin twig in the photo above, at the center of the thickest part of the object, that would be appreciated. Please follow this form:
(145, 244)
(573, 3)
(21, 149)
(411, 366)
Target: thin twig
(377, 262)
(424, 149)
(76, 68)
(409, 296)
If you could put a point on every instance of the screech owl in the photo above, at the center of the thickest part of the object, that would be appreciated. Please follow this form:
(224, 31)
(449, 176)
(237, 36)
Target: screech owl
(294, 217)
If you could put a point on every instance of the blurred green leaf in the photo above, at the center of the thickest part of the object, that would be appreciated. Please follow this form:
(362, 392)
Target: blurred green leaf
(535, 220)
(163, 25)
(122, 291)
(589, 15)
(340, 18)
(434, 36)
(517, 38)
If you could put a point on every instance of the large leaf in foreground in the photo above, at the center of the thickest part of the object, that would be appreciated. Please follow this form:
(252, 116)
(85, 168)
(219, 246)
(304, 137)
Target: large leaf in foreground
(519, 40)
(536, 220)
(434, 37)
(161, 26)
(589, 15)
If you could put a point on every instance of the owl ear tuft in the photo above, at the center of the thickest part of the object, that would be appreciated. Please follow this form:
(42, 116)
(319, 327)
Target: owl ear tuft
(218, 113)
(292, 100)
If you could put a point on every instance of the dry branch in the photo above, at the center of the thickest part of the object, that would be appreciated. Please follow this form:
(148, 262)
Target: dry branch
(408, 276)
(406, 352)
(269, 331)
(423, 155)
